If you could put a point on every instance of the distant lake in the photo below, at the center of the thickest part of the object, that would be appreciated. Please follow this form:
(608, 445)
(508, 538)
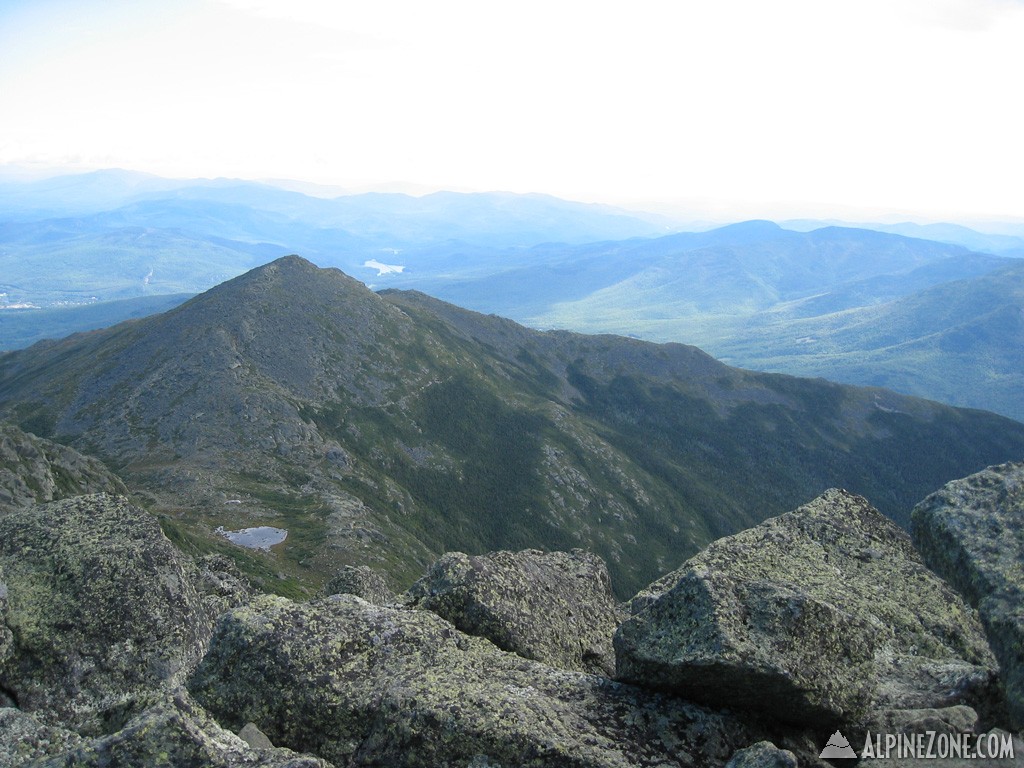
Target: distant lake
(261, 537)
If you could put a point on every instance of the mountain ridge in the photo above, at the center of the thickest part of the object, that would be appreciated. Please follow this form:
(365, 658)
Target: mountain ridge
(385, 429)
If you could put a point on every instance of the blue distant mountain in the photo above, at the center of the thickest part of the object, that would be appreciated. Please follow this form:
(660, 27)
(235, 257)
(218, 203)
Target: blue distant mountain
(855, 304)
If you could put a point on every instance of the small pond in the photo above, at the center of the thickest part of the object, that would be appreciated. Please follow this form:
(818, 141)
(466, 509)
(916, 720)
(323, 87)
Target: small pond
(261, 537)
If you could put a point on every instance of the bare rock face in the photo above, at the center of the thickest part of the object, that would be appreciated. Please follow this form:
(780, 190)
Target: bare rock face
(971, 532)
(554, 607)
(366, 685)
(814, 618)
(101, 611)
(34, 470)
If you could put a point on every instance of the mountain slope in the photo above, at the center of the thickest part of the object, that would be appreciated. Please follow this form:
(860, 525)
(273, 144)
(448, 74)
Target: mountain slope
(386, 429)
(961, 342)
(850, 267)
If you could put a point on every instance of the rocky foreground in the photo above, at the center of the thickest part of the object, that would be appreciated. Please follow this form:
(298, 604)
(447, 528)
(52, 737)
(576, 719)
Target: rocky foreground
(118, 650)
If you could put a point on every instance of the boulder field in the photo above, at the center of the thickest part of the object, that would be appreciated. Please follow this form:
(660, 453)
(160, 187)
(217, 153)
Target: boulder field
(116, 649)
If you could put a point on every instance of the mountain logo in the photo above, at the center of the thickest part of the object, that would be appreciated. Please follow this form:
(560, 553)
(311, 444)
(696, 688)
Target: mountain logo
(838, 748)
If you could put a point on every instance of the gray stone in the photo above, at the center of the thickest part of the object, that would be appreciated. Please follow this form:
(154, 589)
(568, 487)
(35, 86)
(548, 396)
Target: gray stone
(971, 532)
(764, 754)
(103, 611)
(176, 731)
(254, 737)
(366, 685)
(24, 739)
(34, 470)
(6, 636)
(812, 618)
(361, 581)
(554, 607)
(951, 720)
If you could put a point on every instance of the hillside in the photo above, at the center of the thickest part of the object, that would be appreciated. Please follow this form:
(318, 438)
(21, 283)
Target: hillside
(721, 276)
(386, 429)
(961, 342)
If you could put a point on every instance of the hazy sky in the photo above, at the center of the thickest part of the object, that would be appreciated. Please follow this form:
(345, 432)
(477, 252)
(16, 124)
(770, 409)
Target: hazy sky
(789, 107)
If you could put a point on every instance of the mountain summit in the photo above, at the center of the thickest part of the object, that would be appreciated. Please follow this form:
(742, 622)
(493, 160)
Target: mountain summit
(386, 429)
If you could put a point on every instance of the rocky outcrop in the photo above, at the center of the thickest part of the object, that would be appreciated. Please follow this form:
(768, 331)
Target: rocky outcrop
(554, 607)
(361, 581)
(176, 732)
(814, 618)
(34, 470)
(971, 532)
(364, 685)
(764, 754)
(102, 611)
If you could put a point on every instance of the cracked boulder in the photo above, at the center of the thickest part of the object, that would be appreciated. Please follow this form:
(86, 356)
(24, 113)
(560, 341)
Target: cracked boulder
(971, 532)
(100, 610)
(554, 607)
(813, 618)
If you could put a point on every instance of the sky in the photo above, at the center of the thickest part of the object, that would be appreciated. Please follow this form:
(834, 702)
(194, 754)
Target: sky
(851, 108)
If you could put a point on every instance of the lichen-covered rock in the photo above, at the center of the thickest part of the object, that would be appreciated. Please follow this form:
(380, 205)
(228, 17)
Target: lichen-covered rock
(176, 732)
(366, 685)
(764, 754)
(102, 609)
(554, 607)
(34, 470)
(812, 618)
(254, 737)
(361, 581)
(6, 636)
(971, 532)
(24, 739)
(951, 720)
(221, 584)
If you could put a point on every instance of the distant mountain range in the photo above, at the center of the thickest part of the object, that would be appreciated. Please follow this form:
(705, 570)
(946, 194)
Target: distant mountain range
(856, 305)
(387, 428)
(851, 305)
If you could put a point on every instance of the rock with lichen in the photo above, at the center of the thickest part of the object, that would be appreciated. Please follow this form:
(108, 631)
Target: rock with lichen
(103, 611)
(971, 532)
(361, 581)
(764, 754)
(34, 470)
(23, 739)
(815, 618)
(554, 607)
(175, 731)
(6, 636)
(366, 685)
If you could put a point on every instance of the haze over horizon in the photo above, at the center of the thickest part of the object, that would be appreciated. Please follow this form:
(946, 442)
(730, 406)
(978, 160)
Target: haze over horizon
(873, 110)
